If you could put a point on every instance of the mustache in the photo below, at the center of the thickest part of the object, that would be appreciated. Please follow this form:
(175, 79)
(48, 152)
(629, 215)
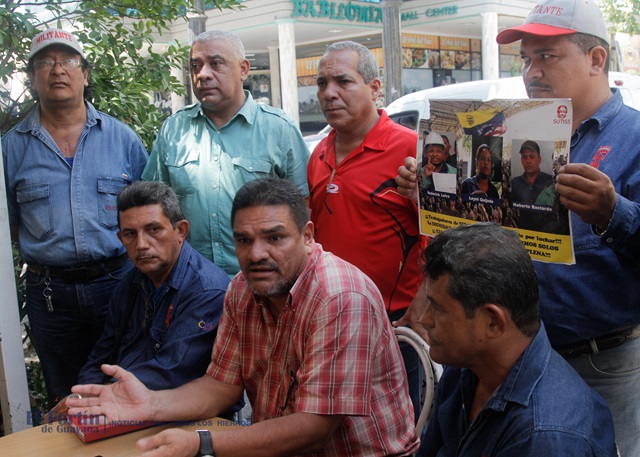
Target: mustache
(264, 264)
(537, 85)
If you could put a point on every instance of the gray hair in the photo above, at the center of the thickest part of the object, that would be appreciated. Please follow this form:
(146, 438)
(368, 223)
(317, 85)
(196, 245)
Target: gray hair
(233, 40)
(367, 63)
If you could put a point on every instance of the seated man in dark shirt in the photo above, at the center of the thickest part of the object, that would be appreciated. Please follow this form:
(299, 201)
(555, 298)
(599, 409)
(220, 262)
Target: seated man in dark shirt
(164, 316)
(504, 390)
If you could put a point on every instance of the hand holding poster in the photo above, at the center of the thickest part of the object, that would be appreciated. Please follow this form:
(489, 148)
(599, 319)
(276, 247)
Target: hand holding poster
(497, 161)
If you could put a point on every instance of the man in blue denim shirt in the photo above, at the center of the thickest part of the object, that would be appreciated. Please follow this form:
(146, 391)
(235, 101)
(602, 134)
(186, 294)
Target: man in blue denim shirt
(64, 165)
(504, 391)
(591, 309)
(208, 150)
(164, 315)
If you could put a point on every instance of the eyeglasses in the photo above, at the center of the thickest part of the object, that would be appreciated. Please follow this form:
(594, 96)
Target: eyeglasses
(66, 64)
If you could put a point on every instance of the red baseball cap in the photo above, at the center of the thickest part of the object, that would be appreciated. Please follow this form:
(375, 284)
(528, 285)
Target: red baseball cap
(559, 17)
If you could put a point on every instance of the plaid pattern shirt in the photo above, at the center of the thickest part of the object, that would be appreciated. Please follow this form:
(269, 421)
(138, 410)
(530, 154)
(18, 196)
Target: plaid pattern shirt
(332, 351)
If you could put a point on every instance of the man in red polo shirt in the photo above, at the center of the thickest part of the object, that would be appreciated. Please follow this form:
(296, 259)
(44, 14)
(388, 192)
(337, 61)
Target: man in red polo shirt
(355, 207)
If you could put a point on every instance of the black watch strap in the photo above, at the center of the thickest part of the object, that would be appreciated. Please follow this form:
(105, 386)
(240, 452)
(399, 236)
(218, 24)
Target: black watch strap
(206, 444)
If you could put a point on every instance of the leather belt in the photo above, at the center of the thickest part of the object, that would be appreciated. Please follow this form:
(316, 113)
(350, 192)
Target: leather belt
(79, 273)
(599, 344)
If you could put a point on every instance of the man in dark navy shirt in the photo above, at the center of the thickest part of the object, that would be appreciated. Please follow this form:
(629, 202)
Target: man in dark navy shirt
(504, 391)
(164, 315)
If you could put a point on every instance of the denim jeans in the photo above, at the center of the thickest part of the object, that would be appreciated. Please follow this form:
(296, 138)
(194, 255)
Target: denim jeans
(615, 375)
(65, 337)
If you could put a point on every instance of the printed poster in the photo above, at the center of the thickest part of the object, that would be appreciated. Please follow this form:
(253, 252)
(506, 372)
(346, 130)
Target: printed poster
(496, 161)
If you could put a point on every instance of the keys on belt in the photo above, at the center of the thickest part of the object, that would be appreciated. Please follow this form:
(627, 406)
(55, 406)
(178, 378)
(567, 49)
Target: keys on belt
(74, 274)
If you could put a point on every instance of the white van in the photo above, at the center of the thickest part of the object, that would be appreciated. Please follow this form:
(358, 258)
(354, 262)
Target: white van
(410, 108)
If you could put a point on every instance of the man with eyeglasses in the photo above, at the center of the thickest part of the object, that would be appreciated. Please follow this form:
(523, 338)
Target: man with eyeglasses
(64, 165)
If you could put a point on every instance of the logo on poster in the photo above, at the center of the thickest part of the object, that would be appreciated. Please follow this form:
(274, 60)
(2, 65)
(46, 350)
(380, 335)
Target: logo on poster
(562, 112)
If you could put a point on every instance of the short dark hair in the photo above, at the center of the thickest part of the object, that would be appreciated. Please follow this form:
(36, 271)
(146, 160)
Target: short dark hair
(487, 264)
(530, 145)
(586, 42)
(144, 193)
(271, 192)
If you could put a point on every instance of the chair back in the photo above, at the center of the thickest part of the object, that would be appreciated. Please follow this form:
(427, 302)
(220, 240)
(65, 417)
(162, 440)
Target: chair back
(432, 373)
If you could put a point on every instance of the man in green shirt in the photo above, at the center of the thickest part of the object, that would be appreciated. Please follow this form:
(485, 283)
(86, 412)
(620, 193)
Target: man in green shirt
(208, 150)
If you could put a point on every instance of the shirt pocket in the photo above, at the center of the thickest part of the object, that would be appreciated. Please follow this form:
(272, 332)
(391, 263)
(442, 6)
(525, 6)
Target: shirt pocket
(183, 172)
(36, 213)
(108, 189)
(158, 336)
(252, 168)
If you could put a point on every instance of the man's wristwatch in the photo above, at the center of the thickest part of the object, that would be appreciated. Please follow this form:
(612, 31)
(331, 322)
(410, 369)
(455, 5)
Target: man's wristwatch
(206, 444)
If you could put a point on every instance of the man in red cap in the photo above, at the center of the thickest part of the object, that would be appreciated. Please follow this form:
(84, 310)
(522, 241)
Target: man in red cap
(64, 165)
(590, 309)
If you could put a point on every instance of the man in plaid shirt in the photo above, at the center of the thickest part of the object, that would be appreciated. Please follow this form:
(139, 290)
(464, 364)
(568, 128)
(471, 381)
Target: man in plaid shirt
(304, 332)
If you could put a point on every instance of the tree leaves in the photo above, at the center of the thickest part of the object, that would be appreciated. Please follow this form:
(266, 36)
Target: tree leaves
(118, 38)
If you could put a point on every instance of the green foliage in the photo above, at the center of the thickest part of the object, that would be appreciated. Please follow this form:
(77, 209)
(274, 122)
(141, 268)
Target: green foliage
(37, 391)
(117, 37)
(622, 14)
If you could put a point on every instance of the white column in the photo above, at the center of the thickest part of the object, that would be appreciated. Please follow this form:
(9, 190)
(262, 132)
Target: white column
(14, 396)
(288, 74)
(274, 68)
(490, 50)
(178, 101)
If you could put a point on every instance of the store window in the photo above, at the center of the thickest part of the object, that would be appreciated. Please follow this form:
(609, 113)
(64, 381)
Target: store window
(430, 61)
(259, 80)
(510, 61)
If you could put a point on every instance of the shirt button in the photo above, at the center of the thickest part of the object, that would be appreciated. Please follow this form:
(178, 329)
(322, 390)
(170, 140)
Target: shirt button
(213, 215)
(217, 244)
(157, 345)
(215, 159)
(250, 168)
(215, 186)
(609, 240)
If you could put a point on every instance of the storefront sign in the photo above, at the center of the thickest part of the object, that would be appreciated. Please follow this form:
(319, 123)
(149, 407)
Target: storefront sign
(454, 44)
(351, 11)
(444, 11)
(408, 16)
(307, 67)
(417, 41)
